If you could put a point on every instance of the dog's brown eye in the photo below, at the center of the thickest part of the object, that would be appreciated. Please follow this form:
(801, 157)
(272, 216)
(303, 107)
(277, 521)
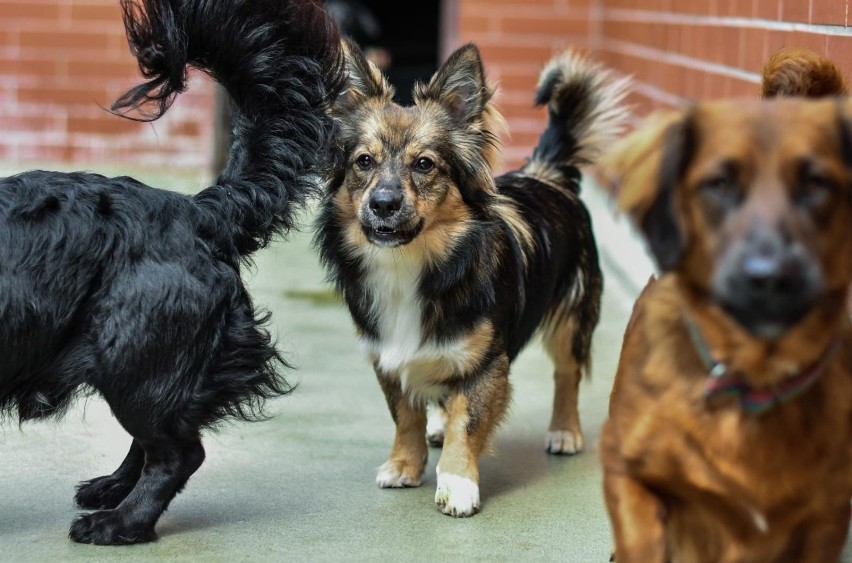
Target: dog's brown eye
(722, 189)
(815, 190)
(423, 164)
(364, 162)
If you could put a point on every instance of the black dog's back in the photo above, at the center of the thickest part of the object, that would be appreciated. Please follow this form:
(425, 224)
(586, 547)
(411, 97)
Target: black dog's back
(134, 292)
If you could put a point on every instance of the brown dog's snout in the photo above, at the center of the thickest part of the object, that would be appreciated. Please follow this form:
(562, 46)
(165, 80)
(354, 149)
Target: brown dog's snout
(767, 282)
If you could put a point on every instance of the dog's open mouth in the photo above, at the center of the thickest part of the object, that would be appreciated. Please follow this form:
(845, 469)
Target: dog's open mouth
(384, 235)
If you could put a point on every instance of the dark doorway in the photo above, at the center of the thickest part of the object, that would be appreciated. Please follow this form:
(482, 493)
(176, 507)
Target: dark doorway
(403, 37)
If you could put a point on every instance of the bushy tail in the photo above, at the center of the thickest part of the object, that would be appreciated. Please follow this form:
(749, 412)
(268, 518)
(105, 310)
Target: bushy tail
(799, 72)
(585, 114)
(281, 64)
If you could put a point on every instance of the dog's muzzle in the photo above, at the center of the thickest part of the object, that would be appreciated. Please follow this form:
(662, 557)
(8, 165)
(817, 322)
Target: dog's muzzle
(767, 284)
(388, 220)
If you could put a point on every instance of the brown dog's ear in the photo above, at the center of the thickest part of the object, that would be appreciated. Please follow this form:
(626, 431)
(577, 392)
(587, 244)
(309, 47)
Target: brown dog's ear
(364, 80)
(643, 172)
(459, 85)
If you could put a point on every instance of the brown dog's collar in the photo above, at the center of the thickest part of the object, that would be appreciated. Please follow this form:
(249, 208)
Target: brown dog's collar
(722, 382)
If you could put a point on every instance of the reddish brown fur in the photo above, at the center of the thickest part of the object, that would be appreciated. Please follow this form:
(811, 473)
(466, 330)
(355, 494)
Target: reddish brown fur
(799, 72)
(689, 480)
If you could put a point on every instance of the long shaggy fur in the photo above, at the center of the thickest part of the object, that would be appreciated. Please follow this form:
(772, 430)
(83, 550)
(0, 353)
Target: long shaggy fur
(135, 292)
(447, 288)
(800, 72)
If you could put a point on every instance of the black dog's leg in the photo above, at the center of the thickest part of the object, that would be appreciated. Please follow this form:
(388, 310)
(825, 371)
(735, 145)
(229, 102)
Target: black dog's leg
(168, 465)
(108, 491)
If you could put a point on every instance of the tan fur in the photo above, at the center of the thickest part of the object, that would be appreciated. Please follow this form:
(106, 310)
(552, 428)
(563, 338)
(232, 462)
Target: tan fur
(407, 459)
(687, 479)
(800, 72)
(566, 376)
(462, 447)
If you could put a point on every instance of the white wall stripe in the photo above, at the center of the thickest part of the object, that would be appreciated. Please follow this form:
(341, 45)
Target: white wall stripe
(648, 16)
(643, 51)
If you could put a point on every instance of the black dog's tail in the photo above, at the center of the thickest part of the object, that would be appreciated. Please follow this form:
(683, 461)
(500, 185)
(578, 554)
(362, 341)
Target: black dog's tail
(585, 114)
(281, 63)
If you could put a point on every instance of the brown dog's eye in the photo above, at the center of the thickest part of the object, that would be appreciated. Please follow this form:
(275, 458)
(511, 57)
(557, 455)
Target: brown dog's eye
(815, 190)
(723, 190)
(364, 162)
(423, 164)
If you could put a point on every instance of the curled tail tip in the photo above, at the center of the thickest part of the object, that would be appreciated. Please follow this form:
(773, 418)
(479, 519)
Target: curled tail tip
(800, 72)
(588, 97)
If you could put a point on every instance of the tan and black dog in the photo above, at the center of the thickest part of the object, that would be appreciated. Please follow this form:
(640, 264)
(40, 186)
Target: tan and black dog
(730, 428)
(448, 271)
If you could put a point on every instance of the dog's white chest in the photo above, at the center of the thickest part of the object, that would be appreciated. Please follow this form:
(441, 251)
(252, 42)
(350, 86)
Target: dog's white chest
(396, 309)
(400, 348)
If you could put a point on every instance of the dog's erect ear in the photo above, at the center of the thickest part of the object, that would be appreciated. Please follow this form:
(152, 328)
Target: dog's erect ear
(643, 172)
(459, 86)
(364, 80)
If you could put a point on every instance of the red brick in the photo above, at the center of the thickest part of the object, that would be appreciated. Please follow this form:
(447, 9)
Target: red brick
(555, 25)
(28, 67)
(840, 51)
(106, 125)
(796, 10)
(766, 9)
(106, 12)
(12, 11)
(62, 96)
(752, 45)
(831, 12)
(61, 40)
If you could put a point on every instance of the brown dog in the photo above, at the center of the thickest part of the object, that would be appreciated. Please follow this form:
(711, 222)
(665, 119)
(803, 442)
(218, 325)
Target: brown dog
(730, 429)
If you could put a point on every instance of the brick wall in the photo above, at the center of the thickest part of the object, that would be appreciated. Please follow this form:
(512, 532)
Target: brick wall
(693, 49)
(676, 49)
(61, 62)
(516, 37)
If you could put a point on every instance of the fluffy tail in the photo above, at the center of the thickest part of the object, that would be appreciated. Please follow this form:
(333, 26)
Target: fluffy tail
(281, 63)
(799, 72)
(585, 115)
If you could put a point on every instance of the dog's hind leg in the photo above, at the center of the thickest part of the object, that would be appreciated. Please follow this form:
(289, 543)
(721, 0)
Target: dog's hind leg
(565, 434)
(167, 467)
(436, 423)
(108, 491)
(407, 459)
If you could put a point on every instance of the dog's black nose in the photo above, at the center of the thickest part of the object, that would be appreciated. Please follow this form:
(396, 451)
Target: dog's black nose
(773, 277)
(768, 284)
(385, 202)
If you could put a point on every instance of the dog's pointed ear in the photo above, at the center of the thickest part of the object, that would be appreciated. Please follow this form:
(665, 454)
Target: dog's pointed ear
(364, 80)
(459, 85)
(643, 172)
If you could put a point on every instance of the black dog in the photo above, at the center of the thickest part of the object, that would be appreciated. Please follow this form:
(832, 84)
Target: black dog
(111, 285)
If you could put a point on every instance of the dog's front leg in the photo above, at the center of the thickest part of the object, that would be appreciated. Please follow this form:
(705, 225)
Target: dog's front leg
(474, 410)
(637, 520)
(407, 460)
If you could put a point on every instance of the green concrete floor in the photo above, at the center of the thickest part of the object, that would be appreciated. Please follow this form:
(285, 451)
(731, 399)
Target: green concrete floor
(301, 486)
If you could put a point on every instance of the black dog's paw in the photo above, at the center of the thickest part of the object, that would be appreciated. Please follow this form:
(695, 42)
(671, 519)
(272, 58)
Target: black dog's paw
(108, 527)
(102, 492)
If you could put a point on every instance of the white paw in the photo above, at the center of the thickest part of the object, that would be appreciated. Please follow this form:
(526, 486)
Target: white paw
(436, 422)
(457, 496)
(390, 476)
(564, 442)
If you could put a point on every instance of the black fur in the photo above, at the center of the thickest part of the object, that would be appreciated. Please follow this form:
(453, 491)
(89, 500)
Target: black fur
(660, 224)
(136, 293)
